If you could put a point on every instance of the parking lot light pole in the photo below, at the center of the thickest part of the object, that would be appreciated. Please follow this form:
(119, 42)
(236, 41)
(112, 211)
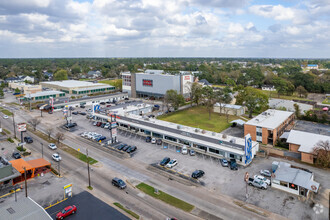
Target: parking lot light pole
(42, 149)
(89, 176)
(59, 165)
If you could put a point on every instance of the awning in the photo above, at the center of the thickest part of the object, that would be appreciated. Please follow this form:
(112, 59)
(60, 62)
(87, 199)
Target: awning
(239, 122)
(285, 135)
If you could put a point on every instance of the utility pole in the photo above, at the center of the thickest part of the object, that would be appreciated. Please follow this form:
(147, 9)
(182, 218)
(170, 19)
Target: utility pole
(89, 176)
(14, 124)
(41, 112)
(59, 166)
(42, 149)
(15, 193)
(25, 182)
(22, 140)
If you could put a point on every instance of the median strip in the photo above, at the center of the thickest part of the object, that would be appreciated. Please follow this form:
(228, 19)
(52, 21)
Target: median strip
(171, 200)
(127, 210)
(63, 147)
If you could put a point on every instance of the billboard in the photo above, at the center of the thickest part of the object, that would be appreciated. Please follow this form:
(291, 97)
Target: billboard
(147, 82)
(114, 132)
(21, 127)
(248, 149)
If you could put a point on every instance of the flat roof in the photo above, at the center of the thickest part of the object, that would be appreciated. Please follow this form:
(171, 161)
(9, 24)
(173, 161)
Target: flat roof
(43, 93)
(306, 140)
(228, 106)
(24, 209)
(73, 83)
(288, 104)
(270, 119)
(97, 87)
(19, 165)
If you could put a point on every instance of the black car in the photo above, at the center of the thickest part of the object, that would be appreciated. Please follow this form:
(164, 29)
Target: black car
(102, 103)
(16, 155)
(82, 113)
(125, 148)
(28, 140)
(70, 125)
(82, 106)
(120, 147)
(102, 125)
(159, 142)
(131, 149)
(75, 113)
(119, 183)
(148, 139)
(197, 174)
(108, 102)
(165, 161)
(233, 164)
(126, 98)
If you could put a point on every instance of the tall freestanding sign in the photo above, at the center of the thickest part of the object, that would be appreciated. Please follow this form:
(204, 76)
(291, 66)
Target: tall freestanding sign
(248, 149)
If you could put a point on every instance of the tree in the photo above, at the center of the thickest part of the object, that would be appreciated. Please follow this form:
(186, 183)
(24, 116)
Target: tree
(59, 137)
(209, 98)
(34, 122)
(297, 110)
(322, 153)
(222, 96)
(301, 91)
(49, 131)
(17, 90)
(1, 92)
(252, 98)
(280, 85)
(61, 75)
(195, 92)
(172, 97)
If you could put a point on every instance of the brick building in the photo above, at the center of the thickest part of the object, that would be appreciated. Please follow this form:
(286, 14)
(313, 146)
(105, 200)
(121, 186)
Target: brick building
(269, 125)
(304, 142)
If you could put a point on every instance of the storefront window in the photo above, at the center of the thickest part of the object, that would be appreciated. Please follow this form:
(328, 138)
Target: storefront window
(282, 183)
(293, 186)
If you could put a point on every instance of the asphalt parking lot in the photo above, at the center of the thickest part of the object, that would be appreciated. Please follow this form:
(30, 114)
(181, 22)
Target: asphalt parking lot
(312, 127)
(88, 207)
(218, 178)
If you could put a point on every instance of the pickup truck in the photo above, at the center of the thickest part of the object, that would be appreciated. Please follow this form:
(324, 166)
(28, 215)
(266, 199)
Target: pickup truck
(257, 183)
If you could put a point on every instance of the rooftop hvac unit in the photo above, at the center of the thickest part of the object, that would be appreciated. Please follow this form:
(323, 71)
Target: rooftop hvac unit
(224, 136)
(213, 133)
(203, 131)
(233, 140)
(196, 130)
(179, 127)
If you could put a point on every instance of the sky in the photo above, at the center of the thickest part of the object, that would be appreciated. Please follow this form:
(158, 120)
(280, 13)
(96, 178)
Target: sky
(165, 28)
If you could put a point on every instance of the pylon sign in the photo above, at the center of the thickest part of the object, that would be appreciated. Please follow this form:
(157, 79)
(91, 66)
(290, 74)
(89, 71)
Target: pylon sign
(96, 107)
(21, 127)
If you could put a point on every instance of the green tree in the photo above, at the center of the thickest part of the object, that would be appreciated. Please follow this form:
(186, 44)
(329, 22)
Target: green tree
(297, 110)
(301, 91)
(61, 75)
(251, 98)
(222, 96)
(17, 90)
(209, 98)
(1, 92)
(280, 85)
(173, 98)
(195, 92)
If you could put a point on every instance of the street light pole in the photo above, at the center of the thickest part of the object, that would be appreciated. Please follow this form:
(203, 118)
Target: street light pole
(25, 182)
(14, 124)
(42, 149)
(89, 177)
(59, 166)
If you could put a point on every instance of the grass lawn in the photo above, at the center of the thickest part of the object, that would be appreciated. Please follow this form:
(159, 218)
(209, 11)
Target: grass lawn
(6, 112)
(274, 95)
(111, 82)
(165, 197)
(127, 210)
(198, 117)
(326, 101)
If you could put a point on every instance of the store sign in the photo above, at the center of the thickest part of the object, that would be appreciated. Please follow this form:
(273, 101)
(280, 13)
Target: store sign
(147, 82)
(248, 149)
(21, 127)
(114, 132)
(187, 77)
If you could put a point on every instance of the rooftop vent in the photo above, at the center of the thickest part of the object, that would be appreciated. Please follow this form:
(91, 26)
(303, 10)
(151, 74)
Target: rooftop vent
(224, 136)
(213, 133)
(196, 130)
(178, 126)
(203, 131)
(233, 140)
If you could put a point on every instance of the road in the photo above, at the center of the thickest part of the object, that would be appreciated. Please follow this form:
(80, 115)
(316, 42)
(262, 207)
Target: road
(72, 168)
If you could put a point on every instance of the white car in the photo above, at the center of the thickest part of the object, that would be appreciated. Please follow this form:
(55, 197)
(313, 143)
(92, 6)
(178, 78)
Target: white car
(84, 134)
(107, 125)
(52, 146)
(262, 178)
(5, 116)
(172, 163)
(184, 150)
(56, 157)
(265, 173)
(153, 141)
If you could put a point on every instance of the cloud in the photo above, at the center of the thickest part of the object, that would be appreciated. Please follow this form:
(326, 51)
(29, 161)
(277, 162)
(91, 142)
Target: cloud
(277, 12)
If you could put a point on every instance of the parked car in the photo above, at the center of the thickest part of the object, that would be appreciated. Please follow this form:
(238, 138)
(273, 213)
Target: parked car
(125, 148)
(165, 161)
(148, 139)
(265, 173)
(107, 125)
(108, 105)
(126, 98)
(120, 147)
(172, 163)
(75, 113)
(262, 178)
(108, 102)
(184, 150)
(101, 138)
(95, 123)
(16, 155)
(84, 134)
(102, 125)
(82, 106)
(197, 174)
(98, 124)
(52, 146)
(131, 149)
(56, 157)
(82, 113)
(192, 152)
(224, 162)
(257, 183)
(28, 140)
(70, 125)
(71, 108)
(102, 103)
(118, 183)
(153, 140)
(5, 116)
(233, 164)
(156, 107)
(159, 142)
(66, 212)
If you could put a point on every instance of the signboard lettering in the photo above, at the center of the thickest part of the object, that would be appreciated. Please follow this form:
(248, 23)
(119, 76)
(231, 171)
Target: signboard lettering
(248, 149)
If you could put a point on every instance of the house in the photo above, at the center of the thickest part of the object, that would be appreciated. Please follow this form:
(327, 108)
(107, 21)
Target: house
(94, 74)
(26, 78)
(310, 66)
(19, 79)
(204, 82)
(304, 142)
(293, 179)
(288, 105)
(268, 126)
(48, 75)
(268, 88)
(229, 109)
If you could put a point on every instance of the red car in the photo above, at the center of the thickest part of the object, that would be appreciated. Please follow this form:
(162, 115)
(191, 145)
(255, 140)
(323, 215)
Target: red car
(66, 212)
